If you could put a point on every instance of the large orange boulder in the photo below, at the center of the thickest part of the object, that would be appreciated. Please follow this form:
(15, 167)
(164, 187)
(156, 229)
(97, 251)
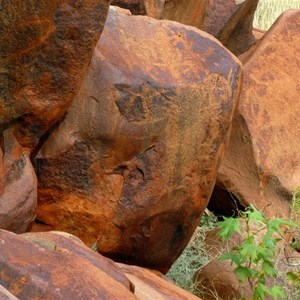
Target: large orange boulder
(54, 266)
(45, 49)
(133, 164)
(18, 186)
(262, 163)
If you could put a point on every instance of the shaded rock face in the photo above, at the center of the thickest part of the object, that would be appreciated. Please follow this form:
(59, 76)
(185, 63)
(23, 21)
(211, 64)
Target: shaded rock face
(133, 164)
(151, 8)
(18, 186)
(230, 22)
(262, 163)
(45, 49)
(53, 266)
(189, 12)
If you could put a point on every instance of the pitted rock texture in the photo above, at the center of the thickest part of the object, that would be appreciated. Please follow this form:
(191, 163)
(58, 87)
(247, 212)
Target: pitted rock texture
(18, 185)
(262, 163)
(54, 266)
(133, 164)
(44, 51)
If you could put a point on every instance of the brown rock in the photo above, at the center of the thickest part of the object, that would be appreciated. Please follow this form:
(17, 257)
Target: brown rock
(217, 280)
(230, 22)
(133, 163)
(45, 49)
(5, 294)
(189, 12)
(262, 164)
(149, 285)
(52, 266)
(151, 8)
(18, 186)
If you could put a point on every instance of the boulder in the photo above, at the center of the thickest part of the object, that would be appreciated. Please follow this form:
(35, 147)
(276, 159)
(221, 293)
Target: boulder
(133, 164)
(189, 12)
(262, 164)
(230, 21)
(150, 285)
(55, 266)
(45, 49)
(217, 280)
(18, 185)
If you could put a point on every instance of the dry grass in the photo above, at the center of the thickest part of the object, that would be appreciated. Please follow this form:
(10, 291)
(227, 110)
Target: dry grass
(269, 10)
(193, 257)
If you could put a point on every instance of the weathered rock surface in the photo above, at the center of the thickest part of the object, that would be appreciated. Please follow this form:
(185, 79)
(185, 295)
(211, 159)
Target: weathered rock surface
(230, 21)
(18, 186)
(189, 12)
(262, 163)
(149, 285)
(133, 164)
(54, 266)
(44, 51)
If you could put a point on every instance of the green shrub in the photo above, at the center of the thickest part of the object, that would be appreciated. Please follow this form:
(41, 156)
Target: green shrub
(256, 256)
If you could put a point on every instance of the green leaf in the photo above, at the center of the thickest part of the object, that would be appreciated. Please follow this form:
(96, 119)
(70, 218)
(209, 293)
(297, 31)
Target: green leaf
(243, 272)
(256, 215)
(264, 253)
(248, 248)
(274, 225)
(259, 292)
(228, 227)
(94, 247)
(276, 291)
(235, 258)
(268, 268)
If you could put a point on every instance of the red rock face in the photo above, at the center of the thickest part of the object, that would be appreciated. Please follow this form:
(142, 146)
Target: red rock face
(133, 164)
(45, 49)
(262, 164)
(18, 195)
(52, 266)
